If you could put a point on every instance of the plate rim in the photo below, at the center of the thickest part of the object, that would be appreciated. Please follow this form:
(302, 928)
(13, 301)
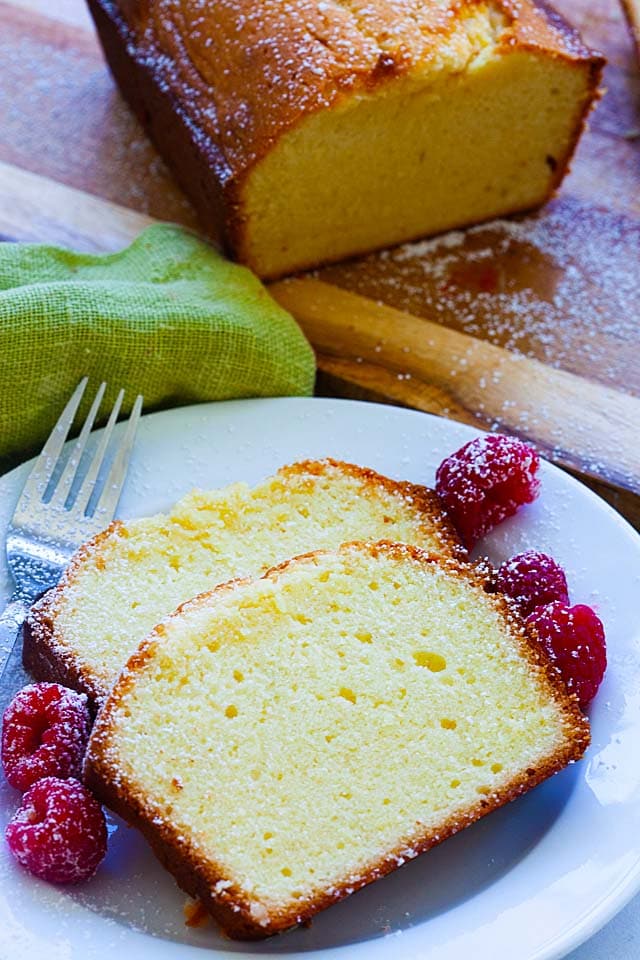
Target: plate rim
(628, 884)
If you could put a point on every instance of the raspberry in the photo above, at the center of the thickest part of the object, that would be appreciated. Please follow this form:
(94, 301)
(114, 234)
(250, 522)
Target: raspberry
(45, 730)
(486, 481)
(532, 579)
(574, 639)
(59, 833)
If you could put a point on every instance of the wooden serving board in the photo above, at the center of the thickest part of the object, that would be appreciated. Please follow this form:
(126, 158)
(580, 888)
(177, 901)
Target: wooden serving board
(530, 325)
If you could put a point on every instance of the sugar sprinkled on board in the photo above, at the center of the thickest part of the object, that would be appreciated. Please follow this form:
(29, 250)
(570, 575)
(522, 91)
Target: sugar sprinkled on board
(72, 97)
(563, 286)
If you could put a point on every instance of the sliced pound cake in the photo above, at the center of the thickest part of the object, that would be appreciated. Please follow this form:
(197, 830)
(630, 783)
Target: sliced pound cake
(123, 582)
(284, 741)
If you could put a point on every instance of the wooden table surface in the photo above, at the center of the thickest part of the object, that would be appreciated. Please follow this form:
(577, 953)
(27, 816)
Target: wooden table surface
(530, 325)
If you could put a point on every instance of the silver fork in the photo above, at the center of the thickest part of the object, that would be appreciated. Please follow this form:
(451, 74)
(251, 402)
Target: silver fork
(43, 535)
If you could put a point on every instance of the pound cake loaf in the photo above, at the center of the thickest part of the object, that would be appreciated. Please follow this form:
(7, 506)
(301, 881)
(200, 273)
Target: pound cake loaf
(284, 741)
(313, 130)
(124, 581)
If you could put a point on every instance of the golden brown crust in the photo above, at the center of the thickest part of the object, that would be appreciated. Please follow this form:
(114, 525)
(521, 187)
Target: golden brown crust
(305, 56)
(537, 25)
(230, 906)
(216, 91)
(47, 656)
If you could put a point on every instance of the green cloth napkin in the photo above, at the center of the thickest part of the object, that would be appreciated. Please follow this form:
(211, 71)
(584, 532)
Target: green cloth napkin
(168, 317)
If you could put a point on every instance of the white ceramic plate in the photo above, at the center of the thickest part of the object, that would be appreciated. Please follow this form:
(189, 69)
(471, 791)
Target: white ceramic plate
(529, 882)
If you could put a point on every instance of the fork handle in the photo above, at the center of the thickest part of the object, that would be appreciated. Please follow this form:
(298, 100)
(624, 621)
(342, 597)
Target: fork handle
(12, 673)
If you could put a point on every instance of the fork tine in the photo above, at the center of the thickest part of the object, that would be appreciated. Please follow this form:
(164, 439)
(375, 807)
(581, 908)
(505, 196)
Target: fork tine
(70, 472)
(41, 474)
(111, 493)
(89, 482)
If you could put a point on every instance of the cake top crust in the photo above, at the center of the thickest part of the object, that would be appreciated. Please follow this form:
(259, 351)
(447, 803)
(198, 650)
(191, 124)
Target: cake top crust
(249, 71)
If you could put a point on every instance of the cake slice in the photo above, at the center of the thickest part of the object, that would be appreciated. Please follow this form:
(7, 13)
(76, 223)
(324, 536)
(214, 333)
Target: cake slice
(309, 131)
(124, 581)
(283, 741)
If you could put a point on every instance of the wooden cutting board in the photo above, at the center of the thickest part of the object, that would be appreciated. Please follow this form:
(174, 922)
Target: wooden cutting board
(530, 325)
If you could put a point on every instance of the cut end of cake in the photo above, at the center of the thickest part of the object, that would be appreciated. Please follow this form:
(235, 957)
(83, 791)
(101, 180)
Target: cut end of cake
(475, 117)
(284, 741)
(413, 160)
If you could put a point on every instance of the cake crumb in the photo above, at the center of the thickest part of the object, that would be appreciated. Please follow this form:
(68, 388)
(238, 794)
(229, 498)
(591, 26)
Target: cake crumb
(195, 914)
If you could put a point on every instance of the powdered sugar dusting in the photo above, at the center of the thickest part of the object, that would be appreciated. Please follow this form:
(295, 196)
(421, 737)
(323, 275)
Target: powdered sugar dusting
(563, 286)
(62, 118)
